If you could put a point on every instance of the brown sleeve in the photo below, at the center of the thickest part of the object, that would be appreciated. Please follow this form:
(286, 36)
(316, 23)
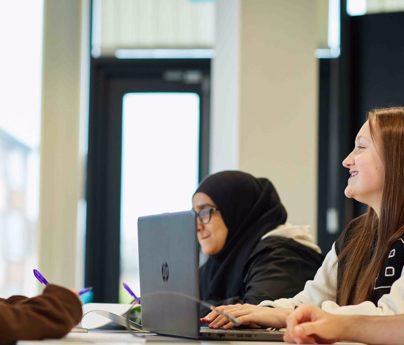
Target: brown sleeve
(14, 299)
(50, 315)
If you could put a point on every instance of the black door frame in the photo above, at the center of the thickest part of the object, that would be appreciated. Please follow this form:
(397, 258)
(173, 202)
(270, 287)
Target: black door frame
(337, 128)
(351, 85)
(110, 79)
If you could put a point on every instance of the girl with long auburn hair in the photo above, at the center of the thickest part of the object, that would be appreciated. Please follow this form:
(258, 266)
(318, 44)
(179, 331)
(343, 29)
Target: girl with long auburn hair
(363, 273)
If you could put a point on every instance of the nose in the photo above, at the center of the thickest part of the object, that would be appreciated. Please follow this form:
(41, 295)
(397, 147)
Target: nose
(199, 224)
(348, 161)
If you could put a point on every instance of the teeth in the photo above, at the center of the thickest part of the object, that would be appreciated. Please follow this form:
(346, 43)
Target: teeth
(353, 173)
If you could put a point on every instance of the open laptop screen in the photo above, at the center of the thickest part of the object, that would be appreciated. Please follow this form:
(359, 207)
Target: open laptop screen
(169, 280)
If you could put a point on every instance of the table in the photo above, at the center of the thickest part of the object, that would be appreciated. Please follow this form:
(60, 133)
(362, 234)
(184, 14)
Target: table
(126, 338)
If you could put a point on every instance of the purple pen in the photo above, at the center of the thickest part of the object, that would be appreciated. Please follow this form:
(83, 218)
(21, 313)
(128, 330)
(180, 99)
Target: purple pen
(40, 277)
(43, 281)
(85, 290)
(129, 290)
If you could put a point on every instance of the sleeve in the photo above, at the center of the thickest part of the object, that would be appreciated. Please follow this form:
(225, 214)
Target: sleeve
(14, 299)
(278, 267)
(203, 287)
(323, 287)
(279, 270)
(50, 315)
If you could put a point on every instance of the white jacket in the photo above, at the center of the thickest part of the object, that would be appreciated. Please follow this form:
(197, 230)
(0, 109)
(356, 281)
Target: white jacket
(322, 290)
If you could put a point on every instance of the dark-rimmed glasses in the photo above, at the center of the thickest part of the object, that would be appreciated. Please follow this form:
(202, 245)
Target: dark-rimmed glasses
(205, 214)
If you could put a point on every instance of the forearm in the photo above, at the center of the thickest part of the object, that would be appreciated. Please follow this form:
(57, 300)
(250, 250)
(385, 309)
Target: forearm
(263, 316)
(279, 317)
(15, 299)
(49, 315)
(386, 330)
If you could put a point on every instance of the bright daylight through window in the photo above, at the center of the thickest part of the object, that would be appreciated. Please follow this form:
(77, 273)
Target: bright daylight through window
(20, 89)
(160, 143)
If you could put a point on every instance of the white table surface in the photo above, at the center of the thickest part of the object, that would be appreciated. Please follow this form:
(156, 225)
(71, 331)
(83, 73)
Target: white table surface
(126, 338)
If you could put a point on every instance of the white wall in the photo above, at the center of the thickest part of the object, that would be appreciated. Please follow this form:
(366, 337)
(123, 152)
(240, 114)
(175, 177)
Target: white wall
(224, 145)
(61, 166)
(272, 117)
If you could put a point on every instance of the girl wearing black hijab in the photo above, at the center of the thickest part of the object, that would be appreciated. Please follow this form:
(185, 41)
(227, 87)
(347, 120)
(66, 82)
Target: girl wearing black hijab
(253, 255)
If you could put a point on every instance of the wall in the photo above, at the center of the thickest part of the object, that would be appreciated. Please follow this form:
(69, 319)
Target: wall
(224, 145)
(60, 133)
(273, 115)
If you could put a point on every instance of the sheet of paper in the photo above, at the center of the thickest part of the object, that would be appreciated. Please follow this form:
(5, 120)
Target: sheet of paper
(93, 320)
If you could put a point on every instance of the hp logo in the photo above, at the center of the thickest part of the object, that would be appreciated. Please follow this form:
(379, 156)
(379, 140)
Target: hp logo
(165, 272)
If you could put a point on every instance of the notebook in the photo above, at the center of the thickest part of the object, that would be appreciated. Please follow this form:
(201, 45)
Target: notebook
(169, 280)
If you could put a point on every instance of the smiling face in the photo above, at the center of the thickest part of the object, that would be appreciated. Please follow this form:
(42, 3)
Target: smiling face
(211, 236)
(366, 169)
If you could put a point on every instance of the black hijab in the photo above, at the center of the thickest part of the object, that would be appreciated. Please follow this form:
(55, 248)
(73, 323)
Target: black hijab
(250, 207)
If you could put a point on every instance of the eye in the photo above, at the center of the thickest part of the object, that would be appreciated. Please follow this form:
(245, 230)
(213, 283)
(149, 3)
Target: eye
(204, 212)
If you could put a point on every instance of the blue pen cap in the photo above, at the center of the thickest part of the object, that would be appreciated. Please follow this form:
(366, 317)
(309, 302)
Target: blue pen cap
(87, 297)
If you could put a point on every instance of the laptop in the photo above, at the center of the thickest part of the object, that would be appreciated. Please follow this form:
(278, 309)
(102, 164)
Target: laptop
(169, 280)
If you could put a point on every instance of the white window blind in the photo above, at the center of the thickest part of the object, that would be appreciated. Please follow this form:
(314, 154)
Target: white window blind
(152, 24)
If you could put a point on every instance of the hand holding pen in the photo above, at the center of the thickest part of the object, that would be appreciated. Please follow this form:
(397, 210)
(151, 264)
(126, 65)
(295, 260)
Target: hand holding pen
(43, 281)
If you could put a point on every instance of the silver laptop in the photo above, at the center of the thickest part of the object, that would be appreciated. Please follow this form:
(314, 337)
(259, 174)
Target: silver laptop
(169, 280)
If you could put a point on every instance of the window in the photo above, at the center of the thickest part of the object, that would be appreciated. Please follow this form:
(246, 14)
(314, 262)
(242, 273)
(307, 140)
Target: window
(20, 64)
(160, 144)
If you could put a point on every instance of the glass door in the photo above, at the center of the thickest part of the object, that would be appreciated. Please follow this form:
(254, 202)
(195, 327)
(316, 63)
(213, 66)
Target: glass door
(160, 160)
(148, 149)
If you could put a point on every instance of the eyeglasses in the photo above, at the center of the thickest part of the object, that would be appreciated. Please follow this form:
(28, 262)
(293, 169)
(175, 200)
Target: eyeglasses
(205, 214)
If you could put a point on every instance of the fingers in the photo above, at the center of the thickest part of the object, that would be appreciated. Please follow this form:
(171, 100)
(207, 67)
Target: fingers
(295, 331)
(246, 314)
(299, 335)
(214, 318)
(296, 317)
(222, 320)
(302, 314)
(210, 317)
(310, 333)
(216, 312)
(260, 316)
(308, 324)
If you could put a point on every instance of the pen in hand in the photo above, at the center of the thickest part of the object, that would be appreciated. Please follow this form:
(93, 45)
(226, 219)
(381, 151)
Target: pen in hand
(43, 281)
(129, 290)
